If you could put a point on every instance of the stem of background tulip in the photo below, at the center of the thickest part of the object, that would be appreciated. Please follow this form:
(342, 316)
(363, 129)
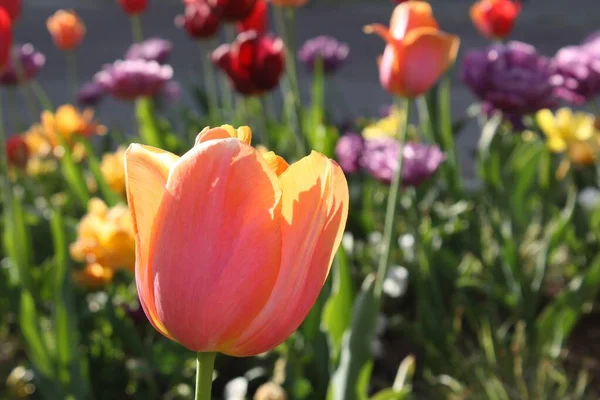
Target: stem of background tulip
(205, 364)
(390, 212)
(41, 95)
(136, 28)
(210, 86)
(265, 121)
(72, 71)
(13, 110)
(3, 156)
(286, 30)
(232, 100)
(22, 82)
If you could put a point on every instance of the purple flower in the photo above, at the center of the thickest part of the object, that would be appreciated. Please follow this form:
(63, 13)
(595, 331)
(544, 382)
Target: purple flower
(130, 79)
(171, 91)
(30, 62)
(421, 161)
(512, 78)
(348, 151)
(153, 49)
(330, 50)
(90, 94)
(577, 74)
(592, 38)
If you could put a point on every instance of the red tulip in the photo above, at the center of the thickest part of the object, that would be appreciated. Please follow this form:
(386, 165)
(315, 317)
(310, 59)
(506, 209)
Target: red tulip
(12, 7)
(233, 10)
(5, 36)
(253, 63)
(495, 18)
(133, 7)
(199, 20)
(257, 20)
(17, 152)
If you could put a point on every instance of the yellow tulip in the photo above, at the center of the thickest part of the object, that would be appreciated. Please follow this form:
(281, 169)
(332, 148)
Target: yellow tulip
(112, 168)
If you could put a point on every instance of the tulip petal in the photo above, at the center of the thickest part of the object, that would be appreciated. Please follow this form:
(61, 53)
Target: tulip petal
(225, 132)
(146, 172)
(411, 15)
(314, 210)
(216, 243)
(424, 55)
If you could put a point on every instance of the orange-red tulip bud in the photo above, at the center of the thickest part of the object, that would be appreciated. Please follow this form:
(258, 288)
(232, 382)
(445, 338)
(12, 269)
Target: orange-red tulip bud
(232, 246)
(133, 7)
(495, 18)
(66, 28)
(417, 52)
(12, 7)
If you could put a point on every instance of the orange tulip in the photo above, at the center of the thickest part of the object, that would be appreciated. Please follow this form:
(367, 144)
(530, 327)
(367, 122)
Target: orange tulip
(232, 246)
(66, 28)
(495, 18)
(417, 52)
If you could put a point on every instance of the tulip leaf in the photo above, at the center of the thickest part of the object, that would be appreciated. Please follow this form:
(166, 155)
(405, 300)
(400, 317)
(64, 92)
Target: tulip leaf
(351, 377)
(558, 318)
(448, 145)
(73, 174)
(36, 347)
(65, 324)
(109, 195)
(336, 317)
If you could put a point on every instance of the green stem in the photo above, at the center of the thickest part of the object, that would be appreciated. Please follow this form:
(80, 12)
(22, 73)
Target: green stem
(72, 71)
(21, 79)
(41, 95)
(264, 117)
(285, 23)
(210, 86)
(13, 108)
(390, 213)
(136, 28)
(205, 364)
(3, 156)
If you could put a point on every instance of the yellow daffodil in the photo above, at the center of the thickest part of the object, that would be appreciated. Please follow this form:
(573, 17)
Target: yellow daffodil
(572, 133)
(112, 168)
(105, 236)
(385, 127)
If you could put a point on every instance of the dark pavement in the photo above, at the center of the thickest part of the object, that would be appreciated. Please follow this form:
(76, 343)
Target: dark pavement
(548, 24)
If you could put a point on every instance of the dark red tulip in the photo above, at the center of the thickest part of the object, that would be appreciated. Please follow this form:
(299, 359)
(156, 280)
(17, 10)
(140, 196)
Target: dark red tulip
(199, 20)
(12, 7)
(5, 36)
(495, 18)
(257, 20)
(17, 152)
(133, 7)
(233, 10)
(253, 63)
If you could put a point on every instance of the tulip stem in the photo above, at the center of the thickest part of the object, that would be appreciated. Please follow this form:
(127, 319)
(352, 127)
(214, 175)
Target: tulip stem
(390, 212)
(210, 86)
(22, 81)
(136, 28)
(3, 154)
(41, 95)
(72, 71)
(205, 364)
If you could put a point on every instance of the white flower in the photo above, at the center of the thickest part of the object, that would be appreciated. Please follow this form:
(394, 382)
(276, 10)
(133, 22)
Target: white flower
(236, 389)
(395, 282)
(588, 198)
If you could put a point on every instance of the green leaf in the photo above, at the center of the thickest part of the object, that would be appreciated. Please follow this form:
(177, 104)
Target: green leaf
(109, 195)
(450, 167)
(391, 394)
(336, 317)
(356, 357)
(73, 174)
(37, 349)
(559, 317)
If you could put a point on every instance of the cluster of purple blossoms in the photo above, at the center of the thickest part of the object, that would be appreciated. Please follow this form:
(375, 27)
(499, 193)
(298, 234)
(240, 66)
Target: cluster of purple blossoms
(153, 49)
(333, 53)
(23, 66)
(379, 158)
(512, 78)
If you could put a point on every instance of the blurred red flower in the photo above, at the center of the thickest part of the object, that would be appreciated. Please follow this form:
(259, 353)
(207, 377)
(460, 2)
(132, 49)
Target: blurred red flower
(495, 18)
(17, 152)
(5, 36)
(233, 10)
(257, 20)
(253, 63)
(133, 7)
(12, 7)
(199, 19)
